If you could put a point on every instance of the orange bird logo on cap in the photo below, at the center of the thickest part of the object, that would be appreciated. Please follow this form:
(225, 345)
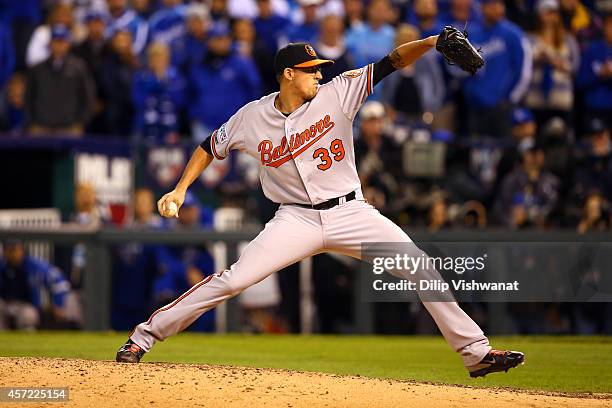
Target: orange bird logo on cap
(310, 51)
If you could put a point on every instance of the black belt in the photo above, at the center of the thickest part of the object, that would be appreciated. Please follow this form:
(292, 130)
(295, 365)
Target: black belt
(326, 205)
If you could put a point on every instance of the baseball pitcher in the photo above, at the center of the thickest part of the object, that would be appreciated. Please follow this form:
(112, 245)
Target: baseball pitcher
(303, 139)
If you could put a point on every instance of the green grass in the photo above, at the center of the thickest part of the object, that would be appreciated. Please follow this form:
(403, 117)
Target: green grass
(564, 364)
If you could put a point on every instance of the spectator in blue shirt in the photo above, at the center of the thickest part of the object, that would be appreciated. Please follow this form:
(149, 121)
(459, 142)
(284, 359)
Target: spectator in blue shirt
(159, 95)
(122, 18)
(595, 76)
(528, 194)
(373, 40)
(189, 49)
(168, 23)
(269, 26)
(24, 281)
(221, 85)
(505, 77)
(170, 279)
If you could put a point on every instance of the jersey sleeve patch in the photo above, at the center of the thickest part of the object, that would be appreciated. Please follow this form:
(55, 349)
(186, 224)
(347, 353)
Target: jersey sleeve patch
(221, 135)
(354, 73)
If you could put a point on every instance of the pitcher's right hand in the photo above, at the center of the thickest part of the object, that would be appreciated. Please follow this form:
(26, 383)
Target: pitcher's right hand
(177, 197)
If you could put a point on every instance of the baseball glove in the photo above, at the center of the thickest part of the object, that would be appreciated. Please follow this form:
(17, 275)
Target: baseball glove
(457, 50)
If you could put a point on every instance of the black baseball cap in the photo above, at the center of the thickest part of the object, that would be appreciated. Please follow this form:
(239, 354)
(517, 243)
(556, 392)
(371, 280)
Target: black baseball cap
(297, 55)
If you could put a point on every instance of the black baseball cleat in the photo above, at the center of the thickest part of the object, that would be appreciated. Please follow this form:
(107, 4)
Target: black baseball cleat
(130, 352)
(495, 361)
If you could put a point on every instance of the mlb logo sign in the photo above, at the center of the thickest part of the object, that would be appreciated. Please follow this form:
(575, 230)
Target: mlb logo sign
(111, 177)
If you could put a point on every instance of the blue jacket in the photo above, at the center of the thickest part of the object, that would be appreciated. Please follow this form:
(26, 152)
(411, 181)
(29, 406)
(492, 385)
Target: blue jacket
(175, 261)
(136, 25)
(220, 87)
(157, 103)
(167, 24)
(41, 277)
(172, 281)
(598, 91)
(134, 269)
(508, 65)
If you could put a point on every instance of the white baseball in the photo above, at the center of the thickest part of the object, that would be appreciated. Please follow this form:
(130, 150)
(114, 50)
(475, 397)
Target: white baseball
(171, 209)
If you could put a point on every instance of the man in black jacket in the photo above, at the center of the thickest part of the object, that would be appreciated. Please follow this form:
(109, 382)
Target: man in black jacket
(60, 93)
(93, 50)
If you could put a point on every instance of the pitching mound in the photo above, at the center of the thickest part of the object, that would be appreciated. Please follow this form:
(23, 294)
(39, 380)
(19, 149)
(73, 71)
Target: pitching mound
(104, 384)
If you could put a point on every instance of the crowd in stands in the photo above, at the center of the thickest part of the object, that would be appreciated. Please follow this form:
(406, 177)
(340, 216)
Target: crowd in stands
(525, 142)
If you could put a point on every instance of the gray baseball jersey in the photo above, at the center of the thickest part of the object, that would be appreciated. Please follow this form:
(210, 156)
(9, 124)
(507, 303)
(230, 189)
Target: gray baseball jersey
(308, 156)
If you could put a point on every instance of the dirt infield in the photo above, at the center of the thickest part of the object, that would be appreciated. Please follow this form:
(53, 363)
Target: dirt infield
(103, 384)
